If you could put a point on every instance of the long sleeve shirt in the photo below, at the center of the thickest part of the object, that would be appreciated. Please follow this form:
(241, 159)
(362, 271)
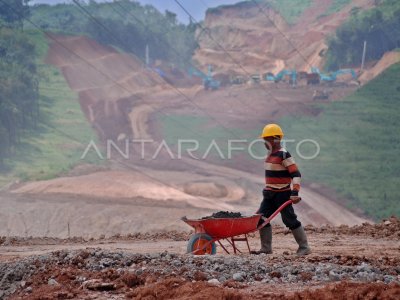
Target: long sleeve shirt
(281, 171)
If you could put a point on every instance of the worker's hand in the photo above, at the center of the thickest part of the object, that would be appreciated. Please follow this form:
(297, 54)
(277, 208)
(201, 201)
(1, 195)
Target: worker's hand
(295, 199)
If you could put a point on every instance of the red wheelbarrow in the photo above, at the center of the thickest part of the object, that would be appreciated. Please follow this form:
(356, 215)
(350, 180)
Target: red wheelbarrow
(209, 231)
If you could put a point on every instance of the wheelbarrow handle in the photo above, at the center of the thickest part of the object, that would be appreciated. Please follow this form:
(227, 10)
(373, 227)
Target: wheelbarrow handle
(269, 219)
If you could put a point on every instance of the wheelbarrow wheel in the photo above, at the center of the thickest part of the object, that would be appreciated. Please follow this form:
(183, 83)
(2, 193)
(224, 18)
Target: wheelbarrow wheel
(201, 242)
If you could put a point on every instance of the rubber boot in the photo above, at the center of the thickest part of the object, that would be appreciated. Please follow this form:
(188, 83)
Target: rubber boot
(266, 241)
(301, 239)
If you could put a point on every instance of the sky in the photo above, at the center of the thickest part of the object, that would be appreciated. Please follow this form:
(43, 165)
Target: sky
(196, 8)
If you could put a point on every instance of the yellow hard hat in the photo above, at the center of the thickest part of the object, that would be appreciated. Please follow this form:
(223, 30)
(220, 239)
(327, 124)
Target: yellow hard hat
(272, 130)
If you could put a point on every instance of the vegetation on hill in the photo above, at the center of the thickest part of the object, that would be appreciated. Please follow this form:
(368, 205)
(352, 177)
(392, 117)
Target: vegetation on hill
(125, 24)
(379, 27)
(335, 7)
(359, 143)
(19, 110)
(290, 10)
(43, 131)
(13, 12)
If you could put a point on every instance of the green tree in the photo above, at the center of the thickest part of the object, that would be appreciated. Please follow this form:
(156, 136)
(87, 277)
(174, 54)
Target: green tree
(379, 27)
(13, 12)
(18, 88)
(126, 25)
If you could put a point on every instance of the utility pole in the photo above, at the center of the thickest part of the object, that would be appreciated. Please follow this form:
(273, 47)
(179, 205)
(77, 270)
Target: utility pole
(363, 55)
(147, 56)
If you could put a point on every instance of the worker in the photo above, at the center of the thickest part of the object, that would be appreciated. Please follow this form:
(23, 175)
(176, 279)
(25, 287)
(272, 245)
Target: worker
(282, 179)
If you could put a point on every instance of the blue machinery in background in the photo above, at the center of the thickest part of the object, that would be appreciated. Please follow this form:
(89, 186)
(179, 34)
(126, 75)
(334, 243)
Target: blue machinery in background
(314, 77)
(331, 77)
(291, 73)
(208, 81)
(325, 77)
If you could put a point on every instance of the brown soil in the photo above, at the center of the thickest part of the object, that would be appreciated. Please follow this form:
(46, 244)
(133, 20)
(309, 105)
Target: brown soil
(255, 44)
(388, 228)
(335, 246)
(129, 286)
(385, 62)
(342, 290)
(108, 82)
(350, 245)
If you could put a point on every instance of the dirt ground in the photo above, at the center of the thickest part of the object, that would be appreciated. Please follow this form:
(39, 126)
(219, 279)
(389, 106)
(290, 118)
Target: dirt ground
(385, 62)
(131, 267)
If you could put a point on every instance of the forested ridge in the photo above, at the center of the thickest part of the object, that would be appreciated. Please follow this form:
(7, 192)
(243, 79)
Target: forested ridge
(379, 27)
(19, 106)
(125, 24)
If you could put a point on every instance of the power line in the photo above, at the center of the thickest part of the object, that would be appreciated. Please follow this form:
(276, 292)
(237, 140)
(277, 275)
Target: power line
(71, 137)
(232, 133)
(118, 3)
(205, 4)
(187, 98)
(83, 59)
(179, 91)
(233, 60)
(157, 74)
(290, 42)
(146, 27)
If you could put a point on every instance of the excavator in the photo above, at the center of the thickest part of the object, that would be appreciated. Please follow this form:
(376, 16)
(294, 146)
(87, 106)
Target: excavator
(208, 81)
(331, 77)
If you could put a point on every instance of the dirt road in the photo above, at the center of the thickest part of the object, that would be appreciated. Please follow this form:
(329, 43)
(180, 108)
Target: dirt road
(323, 244)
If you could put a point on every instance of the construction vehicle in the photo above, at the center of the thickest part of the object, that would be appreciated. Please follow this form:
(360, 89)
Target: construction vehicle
(211, 84)
(281, 75)
(320, 95)
(238, 80)
(269, 76)
(208, 81)
(302, 75)
(255, 78)
(331, 77)
(313, 78)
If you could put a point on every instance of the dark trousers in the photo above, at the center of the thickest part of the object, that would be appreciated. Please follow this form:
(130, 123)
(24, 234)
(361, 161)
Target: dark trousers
(271, 202)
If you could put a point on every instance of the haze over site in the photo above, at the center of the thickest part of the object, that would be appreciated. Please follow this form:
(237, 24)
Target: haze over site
(130, 142)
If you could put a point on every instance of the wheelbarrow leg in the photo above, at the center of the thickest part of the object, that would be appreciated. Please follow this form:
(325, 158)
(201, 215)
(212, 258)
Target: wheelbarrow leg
(240, 239)
(219, 242)
(233, 245)
(247, 242)
(232, 242)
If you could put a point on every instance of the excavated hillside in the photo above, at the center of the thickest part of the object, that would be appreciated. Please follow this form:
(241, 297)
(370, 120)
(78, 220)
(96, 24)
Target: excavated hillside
(390, 58)
(109, 83)
(254, 38)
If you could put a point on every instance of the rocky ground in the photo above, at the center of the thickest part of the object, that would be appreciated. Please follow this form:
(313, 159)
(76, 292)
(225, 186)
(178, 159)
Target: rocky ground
(96, 273)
